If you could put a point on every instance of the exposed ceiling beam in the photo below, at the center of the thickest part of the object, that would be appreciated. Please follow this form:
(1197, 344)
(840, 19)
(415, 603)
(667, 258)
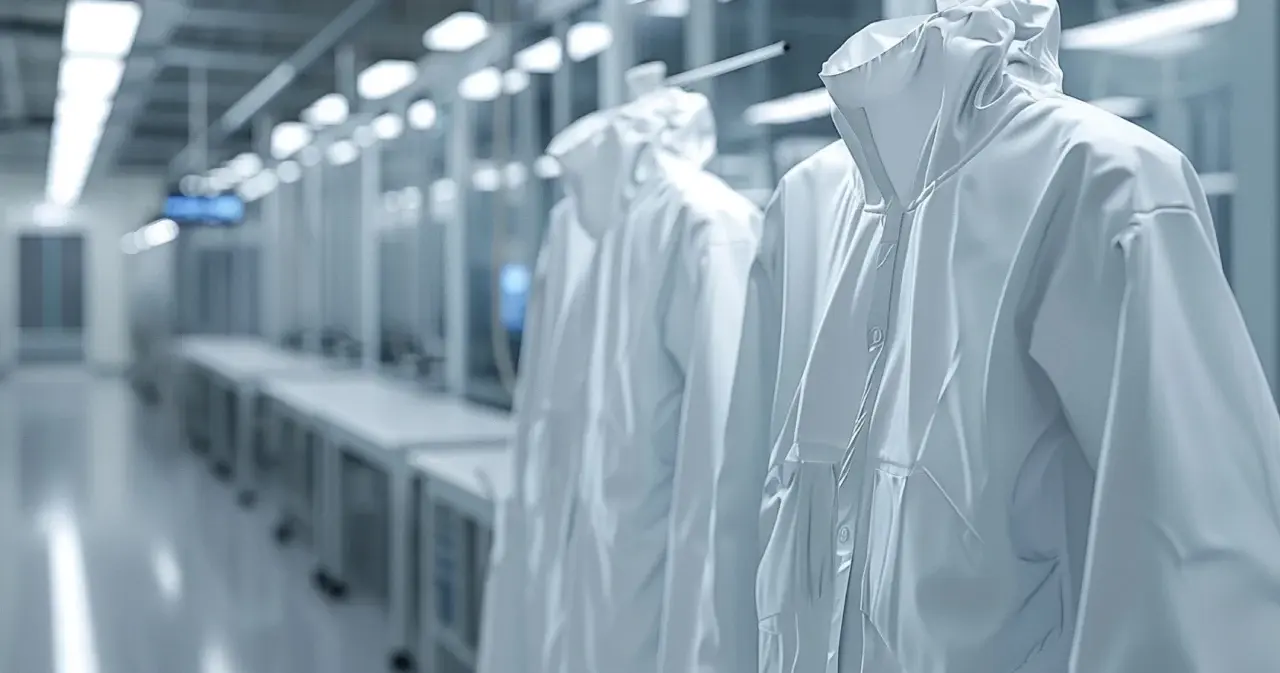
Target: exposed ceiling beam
(45, 43)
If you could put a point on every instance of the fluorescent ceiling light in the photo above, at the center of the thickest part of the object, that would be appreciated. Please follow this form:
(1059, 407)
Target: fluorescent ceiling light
(246, 165)
(101, 27)
(1134, 28)
(514, 81)
(411, 198)
(587, 39)
(89, 78)
(1129, 107)
(159, 232)
(258, 186)
(364, 136)
(329, 110)
(486, 179)
(289, 172)
(385, 78)
(668, 9)
(514, 174)
(482, 85)
(50, 215)
(128, 245)
(791, 109)
(458, 32)
(544, 56)
(1218, 184)
(342, 153)
(444, 189)
(546, 167)
(75, 113)
(289, 137)
(422, 114)
(388, 126)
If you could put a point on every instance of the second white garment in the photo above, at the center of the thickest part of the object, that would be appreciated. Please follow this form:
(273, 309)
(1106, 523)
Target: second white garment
(1032, 434)
(636, 587)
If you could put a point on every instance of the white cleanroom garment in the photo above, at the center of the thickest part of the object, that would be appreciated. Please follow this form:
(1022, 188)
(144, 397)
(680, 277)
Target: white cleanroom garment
(1031, 433)
(637, 587)
(515, 600)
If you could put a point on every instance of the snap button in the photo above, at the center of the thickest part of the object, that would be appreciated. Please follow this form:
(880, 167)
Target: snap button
(875, 337)
(844, 534)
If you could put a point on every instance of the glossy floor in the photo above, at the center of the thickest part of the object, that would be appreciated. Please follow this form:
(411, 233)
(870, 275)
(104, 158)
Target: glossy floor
(119, 553)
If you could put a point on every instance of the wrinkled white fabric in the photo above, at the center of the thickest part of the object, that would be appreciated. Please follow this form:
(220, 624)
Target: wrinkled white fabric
(648, 338)
(513, 625)
(1030, 433)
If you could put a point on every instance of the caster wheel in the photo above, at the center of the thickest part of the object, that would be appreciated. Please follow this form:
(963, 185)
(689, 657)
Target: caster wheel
(402, 660)
(222, 470)
(284, 532)
(337, 589)
(247, 499)
(321, 581)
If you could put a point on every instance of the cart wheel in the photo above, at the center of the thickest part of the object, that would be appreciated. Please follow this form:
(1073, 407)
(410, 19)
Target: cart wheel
(321, 581)
(247, 498)
(222, 470)
(284, 532)
(337, 589)
(402, 660)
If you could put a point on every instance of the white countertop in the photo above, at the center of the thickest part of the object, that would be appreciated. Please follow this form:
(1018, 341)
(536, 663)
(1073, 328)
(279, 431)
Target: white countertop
(243, 359)
(482, 472)
(391, 415)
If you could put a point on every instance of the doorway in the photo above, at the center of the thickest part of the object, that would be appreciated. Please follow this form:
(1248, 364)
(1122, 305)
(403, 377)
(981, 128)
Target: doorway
(51, 298)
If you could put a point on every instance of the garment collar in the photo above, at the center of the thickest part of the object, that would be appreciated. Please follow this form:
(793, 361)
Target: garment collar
(606, 155)
(982, 47)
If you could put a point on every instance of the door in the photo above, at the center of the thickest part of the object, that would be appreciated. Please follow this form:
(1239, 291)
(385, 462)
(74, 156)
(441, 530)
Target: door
(51, 298)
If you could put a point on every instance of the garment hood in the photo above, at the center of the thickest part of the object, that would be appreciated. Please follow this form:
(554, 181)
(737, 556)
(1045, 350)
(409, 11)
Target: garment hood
(978, 46)
(603, 155)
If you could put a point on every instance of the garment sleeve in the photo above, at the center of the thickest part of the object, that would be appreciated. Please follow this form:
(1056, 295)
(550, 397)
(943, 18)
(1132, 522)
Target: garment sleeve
(502, 643)
(710, 577)
(1182, 569)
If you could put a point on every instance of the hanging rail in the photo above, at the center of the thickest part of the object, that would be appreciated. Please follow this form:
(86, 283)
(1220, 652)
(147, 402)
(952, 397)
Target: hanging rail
(728, 65)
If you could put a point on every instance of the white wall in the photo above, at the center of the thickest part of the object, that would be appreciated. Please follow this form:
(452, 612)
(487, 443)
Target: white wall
(111, 206)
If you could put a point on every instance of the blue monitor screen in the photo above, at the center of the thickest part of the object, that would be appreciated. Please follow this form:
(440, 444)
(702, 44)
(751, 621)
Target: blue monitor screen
(223, 209)
(514, 282)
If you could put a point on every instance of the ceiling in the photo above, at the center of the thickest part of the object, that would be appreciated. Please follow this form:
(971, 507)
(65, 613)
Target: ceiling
(235, 43)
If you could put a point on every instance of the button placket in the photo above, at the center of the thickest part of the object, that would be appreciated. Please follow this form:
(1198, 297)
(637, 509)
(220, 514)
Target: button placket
(853, 537)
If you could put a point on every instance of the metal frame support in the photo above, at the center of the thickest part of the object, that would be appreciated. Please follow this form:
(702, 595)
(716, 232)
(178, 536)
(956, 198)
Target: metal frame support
(1255, 238)
(561, 86)
(367, 262)
(310, 267)
(186, 257)
(270, 243)
(700, 42)
(614, 61)
(456, 285)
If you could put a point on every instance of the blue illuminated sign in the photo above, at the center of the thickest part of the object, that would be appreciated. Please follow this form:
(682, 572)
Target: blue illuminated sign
(224, 209)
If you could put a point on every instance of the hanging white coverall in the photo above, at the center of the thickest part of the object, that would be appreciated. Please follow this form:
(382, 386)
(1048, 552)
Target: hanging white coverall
(513, 615)
(649, 344)
(1032, 433)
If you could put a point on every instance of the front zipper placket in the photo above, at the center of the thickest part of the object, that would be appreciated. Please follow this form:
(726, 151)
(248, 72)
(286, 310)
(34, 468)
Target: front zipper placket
(854, 541)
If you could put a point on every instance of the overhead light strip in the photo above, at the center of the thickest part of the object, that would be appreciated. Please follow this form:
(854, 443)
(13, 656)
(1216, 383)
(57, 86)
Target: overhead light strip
(1135, 28)
(97, 37)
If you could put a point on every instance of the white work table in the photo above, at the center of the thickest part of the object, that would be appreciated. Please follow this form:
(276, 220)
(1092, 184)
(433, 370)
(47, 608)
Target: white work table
(242, 365)
(441, 442)
(388, 415)
(472, 483)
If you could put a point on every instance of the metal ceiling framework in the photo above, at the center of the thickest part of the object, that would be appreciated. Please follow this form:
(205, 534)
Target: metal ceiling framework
(232, 45)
